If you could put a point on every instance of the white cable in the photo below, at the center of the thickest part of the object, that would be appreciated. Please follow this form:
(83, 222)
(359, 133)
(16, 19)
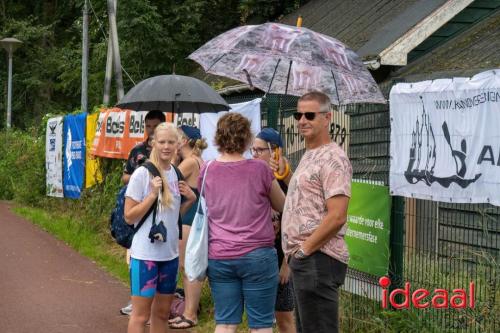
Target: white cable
(106, 38)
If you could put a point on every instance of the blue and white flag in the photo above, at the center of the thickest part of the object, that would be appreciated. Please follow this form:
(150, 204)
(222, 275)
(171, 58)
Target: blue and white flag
(74, 154)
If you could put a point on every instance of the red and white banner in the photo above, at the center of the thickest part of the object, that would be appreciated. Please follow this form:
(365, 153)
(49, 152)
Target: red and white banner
(118, 131)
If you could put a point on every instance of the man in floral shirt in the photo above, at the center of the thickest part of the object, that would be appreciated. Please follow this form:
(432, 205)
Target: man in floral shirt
(314, 219)
(141, 151)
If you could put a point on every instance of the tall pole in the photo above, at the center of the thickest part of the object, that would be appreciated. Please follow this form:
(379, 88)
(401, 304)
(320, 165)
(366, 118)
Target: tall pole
(85, 55)
(9, 92)
(109, 72)
(10, 45)
(116, 49)
(109, 67)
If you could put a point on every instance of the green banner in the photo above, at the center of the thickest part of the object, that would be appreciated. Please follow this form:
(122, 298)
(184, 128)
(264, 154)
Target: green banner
(367, 235)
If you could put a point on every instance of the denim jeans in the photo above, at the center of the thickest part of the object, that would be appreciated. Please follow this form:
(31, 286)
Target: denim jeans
(248, 282)
(316, 280)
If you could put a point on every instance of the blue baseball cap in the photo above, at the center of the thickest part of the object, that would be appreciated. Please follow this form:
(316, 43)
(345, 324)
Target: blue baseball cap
(191, 132)
(270, 135)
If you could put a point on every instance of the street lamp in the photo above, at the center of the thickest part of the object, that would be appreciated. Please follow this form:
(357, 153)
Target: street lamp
(10, 45)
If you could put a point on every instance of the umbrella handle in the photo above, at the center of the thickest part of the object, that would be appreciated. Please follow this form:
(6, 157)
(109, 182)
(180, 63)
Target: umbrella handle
(287, 166)
(299, 21)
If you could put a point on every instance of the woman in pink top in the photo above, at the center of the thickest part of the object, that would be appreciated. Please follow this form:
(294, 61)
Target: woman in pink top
(243, 265)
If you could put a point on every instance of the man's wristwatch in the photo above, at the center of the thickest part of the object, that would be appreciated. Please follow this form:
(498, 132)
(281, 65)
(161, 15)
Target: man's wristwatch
(300, 254)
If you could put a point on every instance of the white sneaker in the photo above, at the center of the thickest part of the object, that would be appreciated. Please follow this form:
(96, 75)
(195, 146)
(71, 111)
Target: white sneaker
(126, 311)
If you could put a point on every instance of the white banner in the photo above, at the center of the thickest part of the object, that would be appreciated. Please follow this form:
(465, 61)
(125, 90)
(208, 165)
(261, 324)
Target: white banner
(54, 157)
(208, 125)
(445, 139)
(190, 119)
(137, 124)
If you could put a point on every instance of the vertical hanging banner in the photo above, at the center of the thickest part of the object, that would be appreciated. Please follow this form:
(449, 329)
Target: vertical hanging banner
(93, 173)
(74, 154)
(208, 125)
(118, 131)
(367, 237)
(110, 139)
(444, 139)
(53, 157)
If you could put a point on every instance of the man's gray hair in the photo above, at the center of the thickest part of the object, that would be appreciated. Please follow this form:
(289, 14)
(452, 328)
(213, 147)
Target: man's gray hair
(321, 98)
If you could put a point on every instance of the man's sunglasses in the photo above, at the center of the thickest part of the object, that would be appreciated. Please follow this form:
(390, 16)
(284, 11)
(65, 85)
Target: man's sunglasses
(308, 115)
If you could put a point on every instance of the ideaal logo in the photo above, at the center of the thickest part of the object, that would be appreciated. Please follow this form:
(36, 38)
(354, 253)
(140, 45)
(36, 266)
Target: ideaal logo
(422, 298)
(423, 156)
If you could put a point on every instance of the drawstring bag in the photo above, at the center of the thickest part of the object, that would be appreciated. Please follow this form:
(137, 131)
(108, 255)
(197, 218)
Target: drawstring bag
(196, 260)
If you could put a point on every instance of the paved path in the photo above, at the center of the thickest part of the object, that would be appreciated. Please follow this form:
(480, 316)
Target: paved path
(46, 287)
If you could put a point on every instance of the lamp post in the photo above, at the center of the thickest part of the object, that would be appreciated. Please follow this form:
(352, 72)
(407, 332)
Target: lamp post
(10, 45)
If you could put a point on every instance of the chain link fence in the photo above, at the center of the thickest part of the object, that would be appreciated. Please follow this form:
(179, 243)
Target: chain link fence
(432, 245)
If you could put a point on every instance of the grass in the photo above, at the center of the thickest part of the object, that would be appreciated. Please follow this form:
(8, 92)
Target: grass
(91, 243)
(358, 314)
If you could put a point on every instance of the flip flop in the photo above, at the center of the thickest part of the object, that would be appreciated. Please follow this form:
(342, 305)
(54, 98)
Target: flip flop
(180, 324)
(174, 320)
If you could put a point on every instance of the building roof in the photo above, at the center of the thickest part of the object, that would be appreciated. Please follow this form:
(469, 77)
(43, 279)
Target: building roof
(474, 13)
(366, 26)
(468, 53)
(386, 32)
(352, 22)
(385, 29)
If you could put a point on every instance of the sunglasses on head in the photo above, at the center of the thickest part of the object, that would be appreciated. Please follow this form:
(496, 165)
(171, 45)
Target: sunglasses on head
(308, 115)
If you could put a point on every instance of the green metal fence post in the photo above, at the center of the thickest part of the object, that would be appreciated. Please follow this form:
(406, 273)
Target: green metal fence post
(397, 244)
(272, 102)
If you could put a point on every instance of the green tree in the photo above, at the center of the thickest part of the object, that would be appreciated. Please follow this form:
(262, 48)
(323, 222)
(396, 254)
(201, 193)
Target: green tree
(154, 35)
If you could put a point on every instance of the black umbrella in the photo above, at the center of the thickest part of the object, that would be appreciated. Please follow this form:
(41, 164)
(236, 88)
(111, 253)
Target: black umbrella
(173, 93)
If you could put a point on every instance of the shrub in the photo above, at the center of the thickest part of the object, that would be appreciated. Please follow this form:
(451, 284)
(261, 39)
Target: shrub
(22, 179)
(22, 167)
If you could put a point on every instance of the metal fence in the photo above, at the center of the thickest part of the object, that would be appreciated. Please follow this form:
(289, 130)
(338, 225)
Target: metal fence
(433, 245)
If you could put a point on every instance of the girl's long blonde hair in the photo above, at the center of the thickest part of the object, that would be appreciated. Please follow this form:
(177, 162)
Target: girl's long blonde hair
(166, 198)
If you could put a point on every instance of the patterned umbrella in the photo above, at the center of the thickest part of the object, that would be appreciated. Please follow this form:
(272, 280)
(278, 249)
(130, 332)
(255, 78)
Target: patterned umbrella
(282, 59)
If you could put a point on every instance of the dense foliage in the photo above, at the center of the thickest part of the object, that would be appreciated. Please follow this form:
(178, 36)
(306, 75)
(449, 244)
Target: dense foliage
(154, 36)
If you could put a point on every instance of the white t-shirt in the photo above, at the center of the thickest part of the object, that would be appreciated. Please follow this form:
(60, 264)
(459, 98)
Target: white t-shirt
(142, 248)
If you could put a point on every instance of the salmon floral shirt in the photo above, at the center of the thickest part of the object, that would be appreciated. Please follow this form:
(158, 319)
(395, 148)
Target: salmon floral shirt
(322, 173)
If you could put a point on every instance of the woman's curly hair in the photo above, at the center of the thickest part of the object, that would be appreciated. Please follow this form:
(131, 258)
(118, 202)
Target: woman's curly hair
(233, 133)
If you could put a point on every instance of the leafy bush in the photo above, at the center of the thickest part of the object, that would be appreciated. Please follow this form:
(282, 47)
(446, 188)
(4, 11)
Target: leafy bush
(98, 201)
(22, 179)
(22, 167)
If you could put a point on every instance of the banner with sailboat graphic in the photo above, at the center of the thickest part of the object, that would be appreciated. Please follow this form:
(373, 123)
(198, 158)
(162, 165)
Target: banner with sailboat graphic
(445, 142)
(54, 157)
